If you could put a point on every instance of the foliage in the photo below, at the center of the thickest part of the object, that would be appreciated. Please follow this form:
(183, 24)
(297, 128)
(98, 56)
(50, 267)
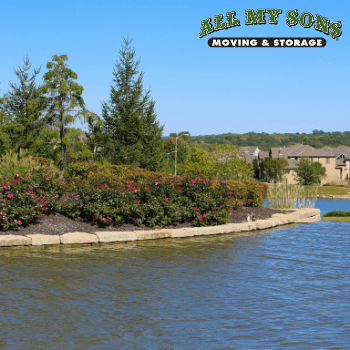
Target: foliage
(24, 104)
(274, 168)
(48, 166)
(229, 166)
(185, 135)
(156, 202)
(309, 173)
(256, 169)
(5, 143)
(131, 133)
(22, 199)
(183, 149)
(65, 101)
(222, 164)
(111, 174)
(265, 141)
(246, 193)
(336, 214)
(22, 164)
(78, 149)
(132, 195)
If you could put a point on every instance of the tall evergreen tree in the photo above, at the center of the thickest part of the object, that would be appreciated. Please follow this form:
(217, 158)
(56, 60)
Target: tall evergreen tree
(23, 105)
(65, 102)
(132, 134)
(4, 122)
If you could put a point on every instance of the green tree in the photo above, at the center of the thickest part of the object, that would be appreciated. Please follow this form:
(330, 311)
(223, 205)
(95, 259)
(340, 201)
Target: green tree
(4, 122)
(222, 163)
(183, 149)
(256, 168)
(132, 135)
(275, 168)
(24, 105)
(185, 135)
(228, 165)
(309, 173)
(65, 102)
(198, 162)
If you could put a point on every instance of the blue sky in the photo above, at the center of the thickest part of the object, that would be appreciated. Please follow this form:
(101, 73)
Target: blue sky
(196, 88)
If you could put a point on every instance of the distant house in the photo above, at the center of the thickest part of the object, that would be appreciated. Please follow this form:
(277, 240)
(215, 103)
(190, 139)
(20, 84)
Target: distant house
(335, 160)
(249, 153)
(252, 151)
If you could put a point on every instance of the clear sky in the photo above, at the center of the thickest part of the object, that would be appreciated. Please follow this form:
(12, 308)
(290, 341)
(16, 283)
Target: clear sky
(196, 88)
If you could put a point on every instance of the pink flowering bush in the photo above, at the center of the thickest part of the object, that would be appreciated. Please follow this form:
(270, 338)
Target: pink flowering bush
(154, 202)
(23, 199)
(117, 195)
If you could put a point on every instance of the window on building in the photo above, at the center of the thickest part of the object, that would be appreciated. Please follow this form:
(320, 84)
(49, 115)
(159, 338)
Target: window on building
(327, 160)
(311, 160)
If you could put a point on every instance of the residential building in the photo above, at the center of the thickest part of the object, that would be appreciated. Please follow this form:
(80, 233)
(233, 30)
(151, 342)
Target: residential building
(335, 160)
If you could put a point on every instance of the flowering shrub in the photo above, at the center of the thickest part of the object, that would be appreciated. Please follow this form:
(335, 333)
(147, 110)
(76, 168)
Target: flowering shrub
(114, 195)
(23, 199)
(154, 202)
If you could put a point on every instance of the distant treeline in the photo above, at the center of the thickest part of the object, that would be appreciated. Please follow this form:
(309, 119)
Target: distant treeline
(265, 141)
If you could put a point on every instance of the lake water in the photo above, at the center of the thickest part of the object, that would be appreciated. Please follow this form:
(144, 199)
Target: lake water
(284, 288)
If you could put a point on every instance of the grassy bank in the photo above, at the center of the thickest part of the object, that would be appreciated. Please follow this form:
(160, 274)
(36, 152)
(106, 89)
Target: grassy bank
(336, 219)
(327, 190)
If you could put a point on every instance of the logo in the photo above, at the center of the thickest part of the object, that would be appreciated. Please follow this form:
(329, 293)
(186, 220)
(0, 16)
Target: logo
(305, 20)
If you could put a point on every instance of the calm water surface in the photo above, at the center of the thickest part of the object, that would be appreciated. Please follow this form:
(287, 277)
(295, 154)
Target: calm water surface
(286, 288)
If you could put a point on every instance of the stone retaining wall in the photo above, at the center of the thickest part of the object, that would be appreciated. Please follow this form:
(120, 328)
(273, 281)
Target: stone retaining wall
(298, 216)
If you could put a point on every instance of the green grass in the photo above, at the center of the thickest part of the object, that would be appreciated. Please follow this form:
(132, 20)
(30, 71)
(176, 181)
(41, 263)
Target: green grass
(344, 219)
(327, 190)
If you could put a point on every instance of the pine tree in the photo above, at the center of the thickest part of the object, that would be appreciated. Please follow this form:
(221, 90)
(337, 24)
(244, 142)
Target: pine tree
(4, 122)
(132, 134)
(65, 102)
(23, 105)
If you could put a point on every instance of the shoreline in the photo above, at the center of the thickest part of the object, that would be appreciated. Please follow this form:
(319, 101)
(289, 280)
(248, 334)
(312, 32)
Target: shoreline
(333, 196)
(297, 216)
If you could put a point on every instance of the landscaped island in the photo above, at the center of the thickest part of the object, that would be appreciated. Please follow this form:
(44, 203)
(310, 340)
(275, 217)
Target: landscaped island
(107, 203)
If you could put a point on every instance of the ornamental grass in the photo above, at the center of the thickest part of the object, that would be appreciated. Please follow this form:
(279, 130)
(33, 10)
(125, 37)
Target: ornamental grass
(285, 196)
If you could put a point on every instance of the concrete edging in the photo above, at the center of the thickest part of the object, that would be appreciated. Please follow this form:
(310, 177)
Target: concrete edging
(333, 196)
(297, 217)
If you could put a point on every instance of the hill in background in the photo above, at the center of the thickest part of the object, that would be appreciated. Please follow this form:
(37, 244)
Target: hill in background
(265, 141)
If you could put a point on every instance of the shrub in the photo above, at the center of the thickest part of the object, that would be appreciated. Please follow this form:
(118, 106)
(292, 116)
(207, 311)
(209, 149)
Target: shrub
(23, 199)
(97, 173)
(154, 202)
(246, 193)
(336, 214)
(107, 195)
(223, 163)
(48, 166)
